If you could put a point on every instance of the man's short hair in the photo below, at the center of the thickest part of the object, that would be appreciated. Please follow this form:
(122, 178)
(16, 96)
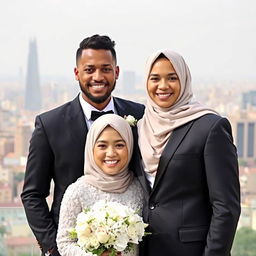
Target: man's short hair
(96, 42)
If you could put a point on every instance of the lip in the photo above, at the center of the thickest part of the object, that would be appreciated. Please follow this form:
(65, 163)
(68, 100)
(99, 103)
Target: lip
(164, 96)
(98, 88)
(111, 163)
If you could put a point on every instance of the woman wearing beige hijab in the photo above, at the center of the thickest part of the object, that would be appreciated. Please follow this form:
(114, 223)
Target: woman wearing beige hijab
(108, 151)
(188, 166)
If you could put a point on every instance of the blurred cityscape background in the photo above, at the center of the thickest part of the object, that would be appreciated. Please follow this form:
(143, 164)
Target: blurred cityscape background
(38, 44)
(20, 104)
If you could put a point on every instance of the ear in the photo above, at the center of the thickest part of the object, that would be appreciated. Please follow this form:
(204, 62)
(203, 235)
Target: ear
(76, 73)
(117, 71)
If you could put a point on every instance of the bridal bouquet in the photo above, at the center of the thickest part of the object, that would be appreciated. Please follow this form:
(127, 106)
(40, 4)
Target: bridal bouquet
(108, 226)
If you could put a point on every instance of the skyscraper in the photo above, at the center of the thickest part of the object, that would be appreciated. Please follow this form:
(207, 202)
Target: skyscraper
(249, 99)
(33, 99)
(244, 132)
(21, 141)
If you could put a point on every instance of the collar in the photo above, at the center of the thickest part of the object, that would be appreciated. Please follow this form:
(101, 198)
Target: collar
(87, 108)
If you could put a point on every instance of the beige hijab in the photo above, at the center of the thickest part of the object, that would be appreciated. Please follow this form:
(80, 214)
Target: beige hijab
(117, 183)
(158, 123)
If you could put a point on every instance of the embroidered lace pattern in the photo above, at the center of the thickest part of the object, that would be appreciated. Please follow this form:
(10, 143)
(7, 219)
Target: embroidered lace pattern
(80, 195)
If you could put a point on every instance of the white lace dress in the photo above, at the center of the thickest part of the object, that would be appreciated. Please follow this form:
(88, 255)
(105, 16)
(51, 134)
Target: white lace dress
(80, 195)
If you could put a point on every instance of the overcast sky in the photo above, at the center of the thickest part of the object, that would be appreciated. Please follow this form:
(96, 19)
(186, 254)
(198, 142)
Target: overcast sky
(217, 38)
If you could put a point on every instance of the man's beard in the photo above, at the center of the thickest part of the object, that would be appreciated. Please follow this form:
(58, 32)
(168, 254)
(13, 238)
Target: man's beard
(97, 100)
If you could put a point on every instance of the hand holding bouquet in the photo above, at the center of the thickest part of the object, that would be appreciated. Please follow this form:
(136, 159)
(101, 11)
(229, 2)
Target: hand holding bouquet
(108, 226)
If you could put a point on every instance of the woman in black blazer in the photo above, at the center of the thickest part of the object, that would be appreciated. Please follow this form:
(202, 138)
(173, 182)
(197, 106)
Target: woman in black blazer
(188, 167)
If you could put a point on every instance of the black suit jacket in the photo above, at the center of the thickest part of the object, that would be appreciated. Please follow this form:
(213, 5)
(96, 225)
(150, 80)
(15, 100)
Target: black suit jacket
(57, 153)
(194, 206)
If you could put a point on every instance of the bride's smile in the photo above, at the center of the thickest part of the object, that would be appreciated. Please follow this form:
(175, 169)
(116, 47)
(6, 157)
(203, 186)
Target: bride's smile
(110, 151)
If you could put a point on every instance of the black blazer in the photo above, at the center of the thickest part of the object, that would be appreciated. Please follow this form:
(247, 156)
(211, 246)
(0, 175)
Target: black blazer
(194, 206)
(57, 153)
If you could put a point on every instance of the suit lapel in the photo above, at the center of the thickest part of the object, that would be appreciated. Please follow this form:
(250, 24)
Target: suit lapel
(76, 122)
(173, 143)
(120, 108)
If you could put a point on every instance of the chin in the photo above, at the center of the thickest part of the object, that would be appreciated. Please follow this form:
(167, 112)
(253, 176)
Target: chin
(164, 104)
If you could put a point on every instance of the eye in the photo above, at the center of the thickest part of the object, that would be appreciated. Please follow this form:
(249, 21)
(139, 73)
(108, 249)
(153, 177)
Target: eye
(101, 146)
(173, 78)
(153, 78)
(89, 70)
(120, 145)
(107, 70)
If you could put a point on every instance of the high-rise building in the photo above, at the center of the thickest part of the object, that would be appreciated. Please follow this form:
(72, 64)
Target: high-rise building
(33, 99)
(249, 100)
(21, 141)
(244, 132)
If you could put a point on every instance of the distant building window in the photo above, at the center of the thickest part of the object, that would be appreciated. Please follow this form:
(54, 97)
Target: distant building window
(240, 139)
(250, 150)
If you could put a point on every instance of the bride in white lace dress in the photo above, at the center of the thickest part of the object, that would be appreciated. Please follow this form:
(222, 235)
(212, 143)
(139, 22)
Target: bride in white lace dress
(108, 150)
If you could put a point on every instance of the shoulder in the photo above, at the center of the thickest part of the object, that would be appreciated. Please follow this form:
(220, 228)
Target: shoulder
(54, 117)
(211, 121)
(132, 108)
(214, 126)
(208, 118)
(129, 103)
(75, 188)
(58, 111)
(208, 125)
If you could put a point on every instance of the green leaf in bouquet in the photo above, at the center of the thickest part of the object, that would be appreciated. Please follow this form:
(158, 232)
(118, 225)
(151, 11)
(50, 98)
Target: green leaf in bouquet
(85, 210)
(113, 252)
(98, 251)
(72, 234)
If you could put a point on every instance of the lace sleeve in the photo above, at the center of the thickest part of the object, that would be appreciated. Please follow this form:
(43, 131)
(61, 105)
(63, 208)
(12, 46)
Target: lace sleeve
(70, 208)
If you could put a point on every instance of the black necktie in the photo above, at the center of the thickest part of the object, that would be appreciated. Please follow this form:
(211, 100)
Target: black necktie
(96, 114)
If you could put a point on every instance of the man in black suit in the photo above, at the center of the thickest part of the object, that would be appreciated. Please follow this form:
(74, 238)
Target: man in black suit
(57, 145)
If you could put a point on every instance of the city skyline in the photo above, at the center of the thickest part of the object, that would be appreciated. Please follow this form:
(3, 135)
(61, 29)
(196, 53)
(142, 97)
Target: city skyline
(215, 38)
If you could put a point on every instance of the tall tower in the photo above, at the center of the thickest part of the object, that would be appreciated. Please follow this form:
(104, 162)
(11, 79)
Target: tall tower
(33, 99)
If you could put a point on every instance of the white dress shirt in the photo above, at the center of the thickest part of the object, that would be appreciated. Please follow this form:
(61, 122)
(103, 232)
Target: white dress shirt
(87, 109)
(150, 178)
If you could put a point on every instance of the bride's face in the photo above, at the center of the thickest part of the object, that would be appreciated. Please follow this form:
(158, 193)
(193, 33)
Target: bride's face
(110, 151)
(163, 83)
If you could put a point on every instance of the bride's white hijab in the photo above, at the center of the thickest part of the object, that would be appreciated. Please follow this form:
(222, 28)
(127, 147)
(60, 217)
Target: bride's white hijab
(119, 182)
(158, 123)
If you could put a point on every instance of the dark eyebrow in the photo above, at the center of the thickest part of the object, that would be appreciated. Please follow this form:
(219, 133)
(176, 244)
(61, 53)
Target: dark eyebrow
(170, 74)
(104, 141)
(91, 66)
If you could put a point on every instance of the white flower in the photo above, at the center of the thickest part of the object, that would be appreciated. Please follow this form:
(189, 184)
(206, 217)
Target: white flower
(131, 120)
(102, 235)
(108, 225)
(121, 242)
(94, 242)
(132, 233)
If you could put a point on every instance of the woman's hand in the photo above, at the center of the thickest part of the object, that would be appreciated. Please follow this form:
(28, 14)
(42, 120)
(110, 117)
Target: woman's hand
(106, 253)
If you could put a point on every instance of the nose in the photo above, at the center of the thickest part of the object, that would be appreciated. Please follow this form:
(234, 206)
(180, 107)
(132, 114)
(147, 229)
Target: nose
(163, 84)
(111, 152)
(97, 76)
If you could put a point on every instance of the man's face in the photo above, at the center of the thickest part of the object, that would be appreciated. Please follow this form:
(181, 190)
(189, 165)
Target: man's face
(96, 73)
